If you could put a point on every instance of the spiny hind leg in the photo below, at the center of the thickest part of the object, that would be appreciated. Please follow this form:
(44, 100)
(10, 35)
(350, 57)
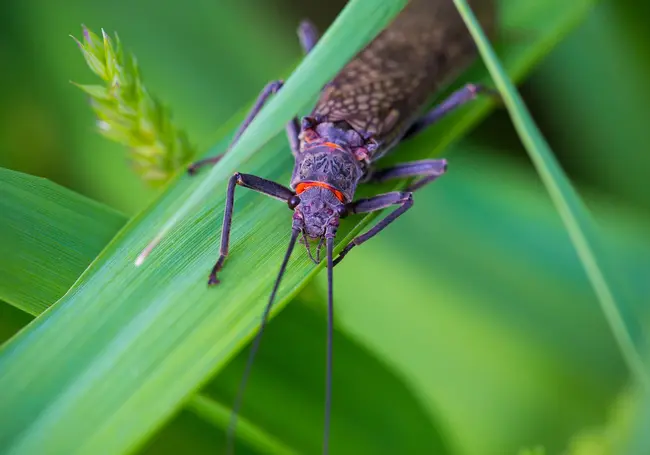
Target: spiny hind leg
(426, 172)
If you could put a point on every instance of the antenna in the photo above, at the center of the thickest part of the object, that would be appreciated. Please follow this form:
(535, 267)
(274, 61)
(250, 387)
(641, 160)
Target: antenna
(256, 344)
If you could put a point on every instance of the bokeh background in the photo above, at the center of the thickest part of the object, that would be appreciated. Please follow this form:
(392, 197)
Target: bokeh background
(473, 310)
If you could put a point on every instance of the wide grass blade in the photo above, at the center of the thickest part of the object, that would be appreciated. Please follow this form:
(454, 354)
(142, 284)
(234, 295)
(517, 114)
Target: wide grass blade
(576, 218)
(301, 373)
(64, 230)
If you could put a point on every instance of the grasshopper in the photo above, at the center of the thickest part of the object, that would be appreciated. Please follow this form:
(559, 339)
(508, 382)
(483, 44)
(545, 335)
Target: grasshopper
(373, 104)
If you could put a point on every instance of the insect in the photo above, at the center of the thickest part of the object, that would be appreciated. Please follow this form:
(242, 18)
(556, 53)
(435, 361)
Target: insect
(375, 102)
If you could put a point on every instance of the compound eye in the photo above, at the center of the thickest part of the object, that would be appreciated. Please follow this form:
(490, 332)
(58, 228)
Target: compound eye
(293, 202)
(342, 211)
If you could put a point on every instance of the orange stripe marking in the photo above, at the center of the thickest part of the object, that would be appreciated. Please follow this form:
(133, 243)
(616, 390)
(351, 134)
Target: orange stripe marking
(332, 145)
(301, 187)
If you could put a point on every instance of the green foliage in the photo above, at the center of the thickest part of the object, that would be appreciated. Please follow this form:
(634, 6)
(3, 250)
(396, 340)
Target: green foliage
(614, 436)
(481, 302)
(128, 114)
(579, 225)
(49, 236)
(469, 326)
(534, 451)
(415, 429)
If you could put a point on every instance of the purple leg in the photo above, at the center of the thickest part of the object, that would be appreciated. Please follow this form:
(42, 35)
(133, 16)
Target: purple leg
(455, 100)
(272, 189)
(428, 170)
(230, 435)
(403, 199)
(308, 36)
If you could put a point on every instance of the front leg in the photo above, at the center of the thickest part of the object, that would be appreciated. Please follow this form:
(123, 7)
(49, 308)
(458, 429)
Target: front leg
(272, 189)
(403, 199)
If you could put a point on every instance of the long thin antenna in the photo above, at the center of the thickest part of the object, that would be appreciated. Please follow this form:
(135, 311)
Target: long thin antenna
(256, 344)
(330, 335)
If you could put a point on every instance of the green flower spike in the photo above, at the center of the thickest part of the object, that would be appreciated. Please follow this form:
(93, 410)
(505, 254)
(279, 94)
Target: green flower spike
(127, 113)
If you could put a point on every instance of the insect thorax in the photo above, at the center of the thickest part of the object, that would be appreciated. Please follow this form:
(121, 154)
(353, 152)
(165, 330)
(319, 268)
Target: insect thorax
(335, 167)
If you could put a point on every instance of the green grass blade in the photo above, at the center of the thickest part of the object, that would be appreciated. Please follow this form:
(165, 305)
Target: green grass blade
(285, 395)
(136, 343)
(49, 235)
(209, 409)
(489, 286)
(219, 416)
(273, 429)
(342, 40)
(41, 218)
(568, 203)
(12, 320)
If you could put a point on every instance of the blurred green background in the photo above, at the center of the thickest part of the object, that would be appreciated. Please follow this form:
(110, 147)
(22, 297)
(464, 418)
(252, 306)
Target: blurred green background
(472, 316)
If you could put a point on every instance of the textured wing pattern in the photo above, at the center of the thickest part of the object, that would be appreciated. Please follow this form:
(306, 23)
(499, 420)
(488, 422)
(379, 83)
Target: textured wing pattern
(384, 87)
